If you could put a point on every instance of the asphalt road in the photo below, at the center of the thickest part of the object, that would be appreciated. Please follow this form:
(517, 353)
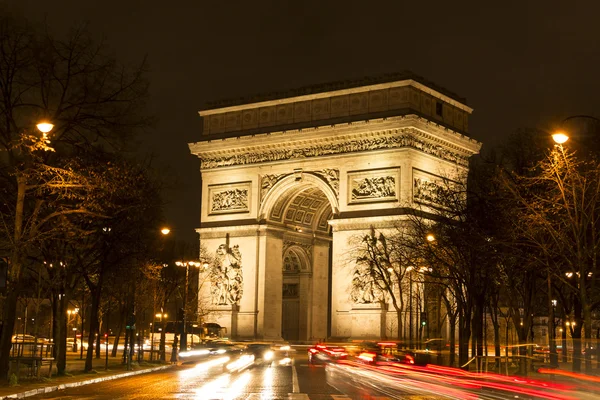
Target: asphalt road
(225, 376)
(293, 380)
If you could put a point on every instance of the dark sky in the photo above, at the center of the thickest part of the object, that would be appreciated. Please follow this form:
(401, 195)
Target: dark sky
(519, 64)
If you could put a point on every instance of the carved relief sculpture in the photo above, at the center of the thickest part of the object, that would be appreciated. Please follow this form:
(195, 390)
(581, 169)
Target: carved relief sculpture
(350, 146)
(426, 191)
(290, 290)
(381, 188)
(364, 290)
(226, 276)
(435, 190)
(332, 177)
(267, 182)
(230, 200)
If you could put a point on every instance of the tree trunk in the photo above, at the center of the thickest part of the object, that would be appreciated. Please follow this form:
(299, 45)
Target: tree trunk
(399, 318)
(61, 326)
(464, 335)
(117, 336)
(125, 347)
(161, 348)
(10, 310)
(13, 281)
(93, 328)
(98, 342)
(576, 335)
(496, 325)
(452, 321)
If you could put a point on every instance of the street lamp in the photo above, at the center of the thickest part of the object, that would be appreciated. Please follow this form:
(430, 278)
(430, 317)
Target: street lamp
(560, 137)
(44, 126)
(410, 306)
(187, 264)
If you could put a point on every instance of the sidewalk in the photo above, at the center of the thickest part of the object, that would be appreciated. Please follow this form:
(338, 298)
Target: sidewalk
(30, 386)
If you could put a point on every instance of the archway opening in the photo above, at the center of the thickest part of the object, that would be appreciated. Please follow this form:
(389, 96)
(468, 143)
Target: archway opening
(302, 212)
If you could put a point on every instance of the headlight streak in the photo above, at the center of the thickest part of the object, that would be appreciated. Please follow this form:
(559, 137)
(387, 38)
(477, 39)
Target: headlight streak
(192, 353)
(267, 393)
(241, 363)
(223, 388)
(199, 369)
(285, 361)
(444, 381)
(213, 388)
(237, 386)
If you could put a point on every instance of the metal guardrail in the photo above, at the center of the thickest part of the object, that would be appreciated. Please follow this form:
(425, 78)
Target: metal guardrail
(482, 363)
(32, 355)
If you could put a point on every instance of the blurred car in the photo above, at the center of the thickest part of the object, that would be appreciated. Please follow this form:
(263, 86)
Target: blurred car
(262, 352)
(20, 338)
(321, 354)
(385, 353)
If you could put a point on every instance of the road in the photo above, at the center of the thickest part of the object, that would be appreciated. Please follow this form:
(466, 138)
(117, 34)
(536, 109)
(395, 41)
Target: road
(293, 380)
(234, 376)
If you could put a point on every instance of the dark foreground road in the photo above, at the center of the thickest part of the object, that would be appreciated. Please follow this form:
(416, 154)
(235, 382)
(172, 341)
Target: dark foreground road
(282, 379)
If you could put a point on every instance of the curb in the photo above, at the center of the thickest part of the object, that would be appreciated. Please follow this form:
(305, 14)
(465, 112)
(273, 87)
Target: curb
(49, 389)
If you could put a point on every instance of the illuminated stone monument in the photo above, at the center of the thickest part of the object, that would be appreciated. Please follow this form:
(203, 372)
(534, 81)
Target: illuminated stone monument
(288, 181)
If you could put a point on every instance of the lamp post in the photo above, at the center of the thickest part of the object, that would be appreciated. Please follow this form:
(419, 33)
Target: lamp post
(161, 348)
(73, 313)
(410, 307)
(186, 264)
(559, 138)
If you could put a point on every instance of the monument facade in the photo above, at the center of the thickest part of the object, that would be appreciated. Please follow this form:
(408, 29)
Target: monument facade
(289, 180)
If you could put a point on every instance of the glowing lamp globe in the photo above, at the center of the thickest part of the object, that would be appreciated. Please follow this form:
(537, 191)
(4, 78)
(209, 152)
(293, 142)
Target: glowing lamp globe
(45, 127)
(560, 138)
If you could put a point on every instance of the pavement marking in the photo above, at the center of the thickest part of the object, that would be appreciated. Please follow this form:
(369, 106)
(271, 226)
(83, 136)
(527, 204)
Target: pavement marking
(295, 385)
(298, 396)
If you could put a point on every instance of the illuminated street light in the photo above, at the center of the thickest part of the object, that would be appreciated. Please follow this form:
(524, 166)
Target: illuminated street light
(430, 237)
(165, 231)
(560, 137)
(45, 127)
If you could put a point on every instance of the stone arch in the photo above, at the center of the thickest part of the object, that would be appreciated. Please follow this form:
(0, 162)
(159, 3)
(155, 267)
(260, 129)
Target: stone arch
(296, 183)
(295, 254)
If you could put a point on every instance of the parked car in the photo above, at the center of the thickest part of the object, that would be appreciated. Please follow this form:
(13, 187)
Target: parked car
(21, 338)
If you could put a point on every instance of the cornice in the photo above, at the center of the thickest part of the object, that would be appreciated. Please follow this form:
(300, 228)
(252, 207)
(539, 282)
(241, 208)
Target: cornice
(386, 133)
(352, 224)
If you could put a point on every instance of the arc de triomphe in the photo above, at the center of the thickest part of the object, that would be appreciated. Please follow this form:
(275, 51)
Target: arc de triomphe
(288, 180)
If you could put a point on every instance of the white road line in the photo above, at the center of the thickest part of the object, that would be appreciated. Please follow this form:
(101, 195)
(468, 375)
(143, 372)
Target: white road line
(295, 386)
(298, 396)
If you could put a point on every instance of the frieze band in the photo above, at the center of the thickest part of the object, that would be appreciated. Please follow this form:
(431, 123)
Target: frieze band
(351, 146)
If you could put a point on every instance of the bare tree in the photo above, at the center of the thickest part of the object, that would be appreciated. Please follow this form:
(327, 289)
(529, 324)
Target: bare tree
(91, 101)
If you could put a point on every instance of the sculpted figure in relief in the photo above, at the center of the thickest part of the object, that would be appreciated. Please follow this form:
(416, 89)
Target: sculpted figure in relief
(364, 290)
(234, 199)
(381, 142)
(226, 276)
(374, 188)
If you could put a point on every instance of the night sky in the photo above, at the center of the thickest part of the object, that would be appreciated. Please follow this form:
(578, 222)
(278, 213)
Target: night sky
(518, 64)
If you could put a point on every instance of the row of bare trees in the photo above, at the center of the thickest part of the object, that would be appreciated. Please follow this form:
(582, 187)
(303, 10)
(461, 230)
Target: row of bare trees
(516, 239)
(79, 216)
